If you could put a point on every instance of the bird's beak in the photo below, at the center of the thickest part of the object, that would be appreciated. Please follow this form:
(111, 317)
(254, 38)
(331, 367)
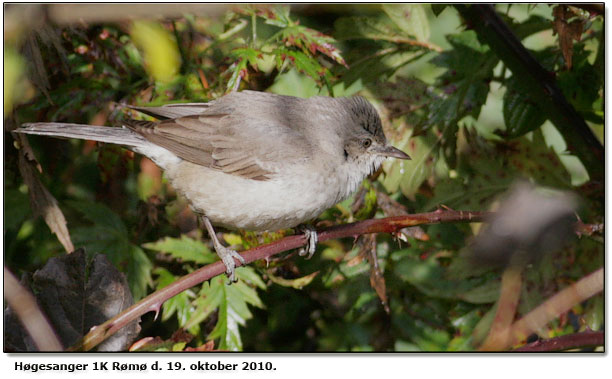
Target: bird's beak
(390, 151)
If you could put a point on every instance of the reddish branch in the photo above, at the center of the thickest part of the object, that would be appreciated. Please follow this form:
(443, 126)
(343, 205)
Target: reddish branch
(154, 301)
(570, 341)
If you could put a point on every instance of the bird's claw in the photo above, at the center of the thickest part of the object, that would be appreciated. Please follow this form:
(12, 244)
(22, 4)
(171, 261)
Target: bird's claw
(227, 256)
(311, 241)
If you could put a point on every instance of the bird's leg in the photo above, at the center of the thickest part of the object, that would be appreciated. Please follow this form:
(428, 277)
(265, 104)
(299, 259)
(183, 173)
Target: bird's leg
(226, 254)
(311, 240)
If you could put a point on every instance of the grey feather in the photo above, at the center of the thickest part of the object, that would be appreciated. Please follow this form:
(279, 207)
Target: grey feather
(173, 110)
(120, 136)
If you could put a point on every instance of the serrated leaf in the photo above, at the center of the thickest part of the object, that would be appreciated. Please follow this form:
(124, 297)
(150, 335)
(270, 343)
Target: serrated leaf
(138, 271)
(466, 55)
(309, 41)
(277, 16)
(302, 62)
(232, 301)
(184, 248)
(250, 276)
(521, 114)
(233, 311)
(179, 304)
(100, 215)
(247, 54)
(207, 302)
(410, 18)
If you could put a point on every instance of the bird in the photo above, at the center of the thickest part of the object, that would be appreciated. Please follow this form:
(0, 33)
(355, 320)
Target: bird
(253, 160)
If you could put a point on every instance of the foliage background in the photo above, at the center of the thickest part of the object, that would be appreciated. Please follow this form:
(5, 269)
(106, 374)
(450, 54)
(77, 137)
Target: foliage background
(445, 99)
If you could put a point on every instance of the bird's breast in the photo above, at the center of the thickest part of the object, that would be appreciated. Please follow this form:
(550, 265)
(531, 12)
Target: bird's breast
(294, 196)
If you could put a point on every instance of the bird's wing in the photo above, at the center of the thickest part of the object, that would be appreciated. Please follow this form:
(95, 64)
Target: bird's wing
(170, 111)
(252, 148)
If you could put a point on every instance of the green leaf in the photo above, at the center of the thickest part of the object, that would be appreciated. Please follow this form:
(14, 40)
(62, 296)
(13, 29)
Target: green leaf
(348, 28)
(484, 294)
(410, 18)
(247, 54)
(466, 56)
(248, 275)
(233, 312)
(232, 301)
(410, 174)
(297, 283)
(302, 62)
(138, 271)
(438, 8)
(109, 236)
(369, 206)
(184, 248)
(238, 70)
(379, 66)
(594, 313)
(534, 159)
(179, 304)
(277, 16)
(15, 81)
(16, 208)
(104, 240)
(162, 57)
(521, 114)
(100, 215)
(309, 41)
(466, 82)
(428, 277)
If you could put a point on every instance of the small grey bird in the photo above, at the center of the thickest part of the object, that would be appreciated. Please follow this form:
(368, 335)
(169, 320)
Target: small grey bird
(253, 160)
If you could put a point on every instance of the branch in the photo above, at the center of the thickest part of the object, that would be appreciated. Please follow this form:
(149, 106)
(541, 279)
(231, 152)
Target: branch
(540, 83)
(570, 341)
(154, 301)
(563, 301)
(23, 303)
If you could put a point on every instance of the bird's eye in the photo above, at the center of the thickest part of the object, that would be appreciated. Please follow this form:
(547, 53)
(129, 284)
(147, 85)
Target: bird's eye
(366, 142)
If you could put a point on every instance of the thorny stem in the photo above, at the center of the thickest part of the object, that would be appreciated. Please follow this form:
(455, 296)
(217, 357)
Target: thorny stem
(587, 338)
(154, 301)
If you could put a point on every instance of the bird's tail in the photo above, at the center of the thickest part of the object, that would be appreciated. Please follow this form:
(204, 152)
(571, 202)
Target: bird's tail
(120, 136)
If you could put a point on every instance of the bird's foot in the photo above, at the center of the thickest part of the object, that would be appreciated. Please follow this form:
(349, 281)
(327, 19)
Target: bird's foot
(227, 256)
(311, 241)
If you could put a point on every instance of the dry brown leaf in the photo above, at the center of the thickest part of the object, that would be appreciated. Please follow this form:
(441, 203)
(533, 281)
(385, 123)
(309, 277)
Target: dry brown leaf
(42, 202)
(377, 280)
(568, 31)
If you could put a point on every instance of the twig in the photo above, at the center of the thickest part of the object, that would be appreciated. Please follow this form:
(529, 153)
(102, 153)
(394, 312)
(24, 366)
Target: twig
(570, 341)
(23, 303)
(506, 308)
(154, 301)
